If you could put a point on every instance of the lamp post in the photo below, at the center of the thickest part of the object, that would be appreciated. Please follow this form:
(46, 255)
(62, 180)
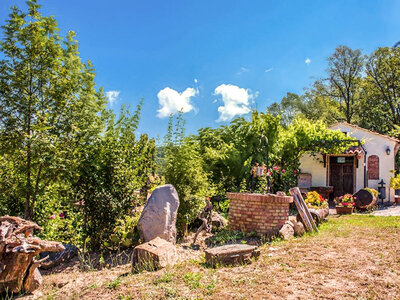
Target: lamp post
(382, 190)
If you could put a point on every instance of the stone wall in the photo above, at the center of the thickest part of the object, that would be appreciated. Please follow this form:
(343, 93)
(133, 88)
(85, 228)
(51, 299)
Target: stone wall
(263, 214)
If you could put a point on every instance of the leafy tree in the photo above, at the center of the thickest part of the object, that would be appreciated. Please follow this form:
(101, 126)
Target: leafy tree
(383, 81)
(184, 169)
(113, 176)
(290, 106)
(345, 67)
(49, 106)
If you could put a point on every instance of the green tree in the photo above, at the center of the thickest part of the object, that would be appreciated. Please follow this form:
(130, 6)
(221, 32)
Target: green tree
(184, 169)
(49, 106)
(290, 106)
(383, 82)
(343, 83)
(112, 177)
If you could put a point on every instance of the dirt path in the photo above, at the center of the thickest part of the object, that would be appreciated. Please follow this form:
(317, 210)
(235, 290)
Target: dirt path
(351, 257)
(393, 210)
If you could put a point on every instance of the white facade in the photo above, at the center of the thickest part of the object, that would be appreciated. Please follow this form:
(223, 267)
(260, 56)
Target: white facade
(374, 144)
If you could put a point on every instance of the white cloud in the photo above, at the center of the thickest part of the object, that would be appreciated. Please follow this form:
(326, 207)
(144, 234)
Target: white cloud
(236, 101)
(112, 96)
(171, 101)
(268, 70)
(307, 61)
(195, 80)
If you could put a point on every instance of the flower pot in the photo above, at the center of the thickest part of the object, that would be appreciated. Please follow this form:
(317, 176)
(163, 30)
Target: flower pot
(341, 210)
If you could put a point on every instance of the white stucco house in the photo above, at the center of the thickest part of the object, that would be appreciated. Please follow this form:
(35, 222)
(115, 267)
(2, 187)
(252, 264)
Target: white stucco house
(361, 166)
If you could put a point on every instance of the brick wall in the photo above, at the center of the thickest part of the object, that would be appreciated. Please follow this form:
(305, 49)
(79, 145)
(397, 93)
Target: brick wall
(263, 214)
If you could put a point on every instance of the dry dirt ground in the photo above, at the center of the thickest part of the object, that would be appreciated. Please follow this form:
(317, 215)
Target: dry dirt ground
(352, 257)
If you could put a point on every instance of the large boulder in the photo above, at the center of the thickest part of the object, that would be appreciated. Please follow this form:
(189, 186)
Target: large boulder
(231, 254)
(154, 255)
(158, 218)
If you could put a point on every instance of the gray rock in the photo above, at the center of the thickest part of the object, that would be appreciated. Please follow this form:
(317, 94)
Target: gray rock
(154, 255)
(54, 259)
(287, 231)
(158, 218)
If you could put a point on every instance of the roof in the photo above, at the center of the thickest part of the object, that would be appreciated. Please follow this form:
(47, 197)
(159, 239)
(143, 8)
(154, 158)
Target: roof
(366, 130)
(354, 150)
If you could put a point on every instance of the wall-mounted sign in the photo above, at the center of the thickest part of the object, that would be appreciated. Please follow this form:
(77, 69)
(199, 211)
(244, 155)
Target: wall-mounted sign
(341, 160)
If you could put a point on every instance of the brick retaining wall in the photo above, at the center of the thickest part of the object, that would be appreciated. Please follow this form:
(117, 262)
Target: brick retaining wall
(263, 214)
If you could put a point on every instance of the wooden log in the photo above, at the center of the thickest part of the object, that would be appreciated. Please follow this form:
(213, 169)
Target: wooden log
(319, 214)
(364, 199)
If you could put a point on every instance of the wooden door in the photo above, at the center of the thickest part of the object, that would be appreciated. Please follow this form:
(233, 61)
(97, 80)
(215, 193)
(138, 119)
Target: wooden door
(341, 175)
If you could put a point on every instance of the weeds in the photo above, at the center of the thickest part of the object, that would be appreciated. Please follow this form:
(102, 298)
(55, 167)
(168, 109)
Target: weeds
(114, 284)
(192, 280)
(164, 278)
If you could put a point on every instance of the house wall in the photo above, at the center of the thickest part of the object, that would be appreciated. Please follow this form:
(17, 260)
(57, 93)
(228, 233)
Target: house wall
(374, 145)
(314, 165)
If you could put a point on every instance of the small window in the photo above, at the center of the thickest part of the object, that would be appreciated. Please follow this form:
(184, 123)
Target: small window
(373, 167)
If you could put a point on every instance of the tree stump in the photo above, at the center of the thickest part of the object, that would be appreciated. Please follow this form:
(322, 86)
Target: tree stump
(231, 254)
(18, 249)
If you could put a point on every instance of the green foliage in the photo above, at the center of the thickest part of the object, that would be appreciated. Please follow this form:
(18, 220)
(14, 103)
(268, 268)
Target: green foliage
(125, 234)
(113, 176)
(184, 169)
(192, 280)
(49, 106)
(395, 181)
(60, 149)
(230, 151)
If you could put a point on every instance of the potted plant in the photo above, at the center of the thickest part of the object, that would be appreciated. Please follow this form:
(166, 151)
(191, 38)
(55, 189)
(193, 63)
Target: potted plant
(318, 206)
(395, 184)
(345, 204)
(315, 200)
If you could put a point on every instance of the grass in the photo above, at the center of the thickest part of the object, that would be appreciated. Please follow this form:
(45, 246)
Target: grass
(354, 256)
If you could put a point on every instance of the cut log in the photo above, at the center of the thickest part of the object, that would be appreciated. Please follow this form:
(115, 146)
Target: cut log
(364, 199)
(18, 248)
(231, 254)
(319, 214)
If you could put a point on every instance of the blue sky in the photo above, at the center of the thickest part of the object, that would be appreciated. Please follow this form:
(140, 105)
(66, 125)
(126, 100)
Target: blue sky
(215, 59)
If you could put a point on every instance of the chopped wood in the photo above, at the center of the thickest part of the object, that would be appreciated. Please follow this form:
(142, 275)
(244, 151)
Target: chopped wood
(303, 210)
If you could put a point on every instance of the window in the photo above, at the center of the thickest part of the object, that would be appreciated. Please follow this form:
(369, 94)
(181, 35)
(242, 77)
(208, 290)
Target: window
(373, 167)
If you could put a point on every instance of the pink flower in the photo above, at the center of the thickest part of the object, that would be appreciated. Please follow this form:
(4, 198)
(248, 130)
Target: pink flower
(294, 171)
(52, 217)
(283, 171)
(62, 216)
(276, 168)
(269, 173)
